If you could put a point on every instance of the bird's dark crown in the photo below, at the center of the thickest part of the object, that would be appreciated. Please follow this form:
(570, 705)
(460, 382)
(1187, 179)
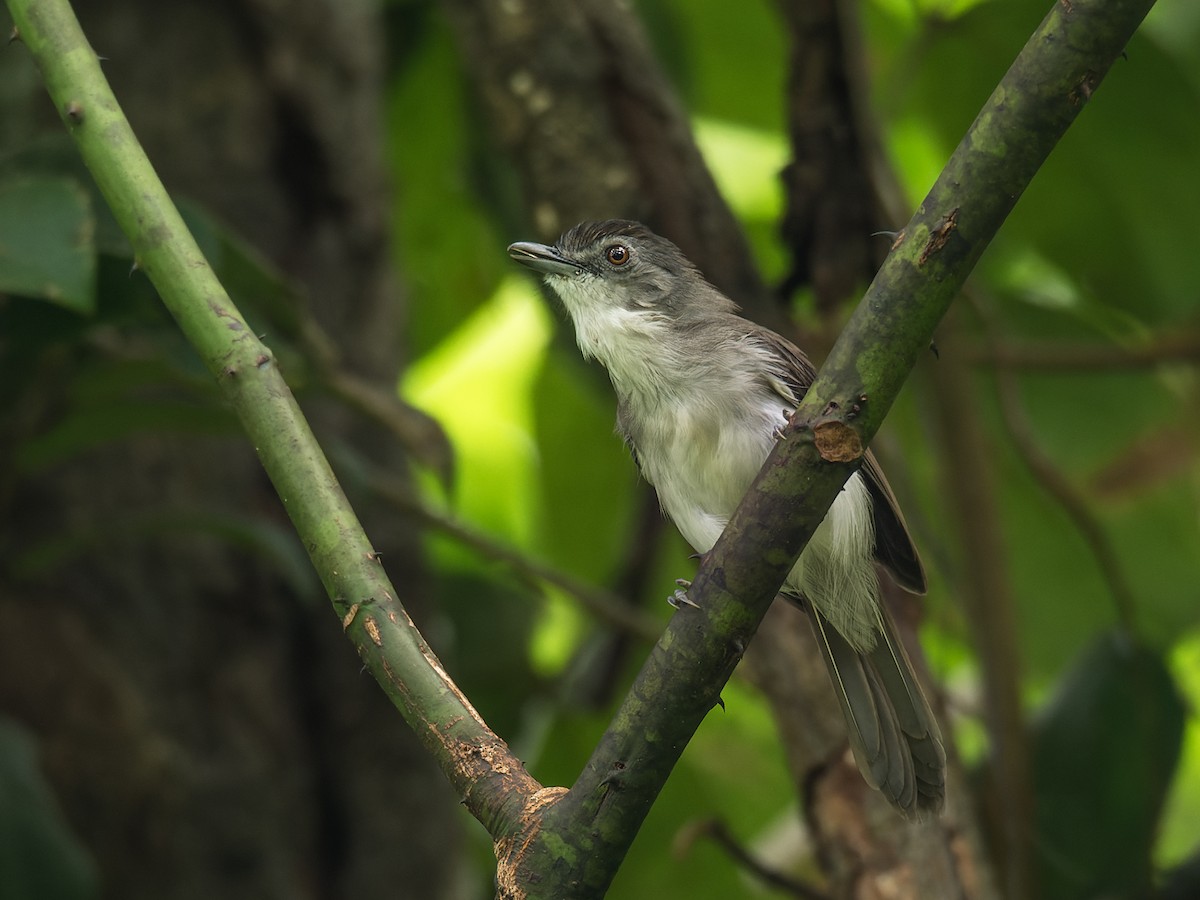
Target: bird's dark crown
(585, 234)
(587, 242)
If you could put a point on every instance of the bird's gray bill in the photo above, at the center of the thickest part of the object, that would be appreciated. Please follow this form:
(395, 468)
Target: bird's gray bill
(542, 258)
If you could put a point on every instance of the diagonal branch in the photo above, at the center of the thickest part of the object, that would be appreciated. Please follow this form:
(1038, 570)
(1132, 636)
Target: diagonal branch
(588, 831)
(718, 832)
(606, 606)
(493, 783)
(1054, 482)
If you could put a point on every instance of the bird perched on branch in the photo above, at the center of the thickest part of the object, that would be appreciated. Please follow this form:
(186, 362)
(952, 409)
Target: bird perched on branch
(700, 392)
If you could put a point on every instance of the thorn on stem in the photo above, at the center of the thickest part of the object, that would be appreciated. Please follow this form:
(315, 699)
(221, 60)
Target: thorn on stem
(74, 111)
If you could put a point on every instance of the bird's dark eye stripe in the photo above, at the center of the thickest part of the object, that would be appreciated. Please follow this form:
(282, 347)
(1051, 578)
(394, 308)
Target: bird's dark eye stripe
(618, 254)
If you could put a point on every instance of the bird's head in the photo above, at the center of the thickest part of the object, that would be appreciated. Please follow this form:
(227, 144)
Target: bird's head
(621, 274)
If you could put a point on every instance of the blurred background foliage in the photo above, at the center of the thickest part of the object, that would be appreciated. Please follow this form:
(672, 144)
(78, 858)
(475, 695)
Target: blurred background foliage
(1088, 295)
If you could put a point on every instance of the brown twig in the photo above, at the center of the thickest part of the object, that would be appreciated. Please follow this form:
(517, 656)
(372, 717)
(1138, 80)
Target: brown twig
(986, 595)
(1052, 356)
(718, 832)
(631, 580)
(417, 431)
(1052, 479)
(606, 606)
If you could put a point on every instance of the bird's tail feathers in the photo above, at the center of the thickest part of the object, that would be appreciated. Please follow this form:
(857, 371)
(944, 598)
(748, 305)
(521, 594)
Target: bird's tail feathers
(893, 733)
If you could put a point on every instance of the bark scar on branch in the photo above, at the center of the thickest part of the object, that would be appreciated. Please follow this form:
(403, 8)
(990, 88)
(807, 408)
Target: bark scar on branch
(939, 236)
(511, 848)
(1084, 89)
(837, 442)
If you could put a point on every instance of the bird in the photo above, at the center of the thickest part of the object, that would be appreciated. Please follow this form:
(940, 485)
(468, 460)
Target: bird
(700, 392)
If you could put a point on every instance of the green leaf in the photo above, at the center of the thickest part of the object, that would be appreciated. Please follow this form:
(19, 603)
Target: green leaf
(1104, 751)
(47, 241)
(40, 859)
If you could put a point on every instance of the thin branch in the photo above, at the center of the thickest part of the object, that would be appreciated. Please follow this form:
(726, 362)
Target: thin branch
(1056, 484)
(606, 665)
(1055, 356)
(292, 318)
(418, 432)
(718, 832)
(604, 605)
(985, 592)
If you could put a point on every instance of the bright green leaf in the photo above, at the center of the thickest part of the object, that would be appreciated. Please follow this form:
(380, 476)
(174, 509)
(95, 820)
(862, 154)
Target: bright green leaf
(745, 163)
(477, 383)
(1179, 836)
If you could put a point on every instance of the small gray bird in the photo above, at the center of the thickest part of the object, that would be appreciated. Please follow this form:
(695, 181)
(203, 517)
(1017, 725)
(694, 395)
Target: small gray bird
(700, 397)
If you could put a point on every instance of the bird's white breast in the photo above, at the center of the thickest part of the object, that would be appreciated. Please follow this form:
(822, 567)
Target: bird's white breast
(702, 459)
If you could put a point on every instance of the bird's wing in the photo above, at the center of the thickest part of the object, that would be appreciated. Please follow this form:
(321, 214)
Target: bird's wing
(893, 543)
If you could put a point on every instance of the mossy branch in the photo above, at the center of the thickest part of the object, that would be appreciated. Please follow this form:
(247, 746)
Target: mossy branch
(1045, 89)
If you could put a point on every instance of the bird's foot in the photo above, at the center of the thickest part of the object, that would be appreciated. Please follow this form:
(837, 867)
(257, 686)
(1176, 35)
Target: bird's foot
(680, 597)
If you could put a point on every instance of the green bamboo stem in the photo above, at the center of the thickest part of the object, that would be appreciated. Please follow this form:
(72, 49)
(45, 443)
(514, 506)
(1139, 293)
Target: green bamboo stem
(475, 759)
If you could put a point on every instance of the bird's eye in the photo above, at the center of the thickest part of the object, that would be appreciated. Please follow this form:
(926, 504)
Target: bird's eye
(618, 254)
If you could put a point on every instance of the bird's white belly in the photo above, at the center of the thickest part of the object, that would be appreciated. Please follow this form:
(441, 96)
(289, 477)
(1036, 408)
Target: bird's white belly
(708, 475)
(702, 469)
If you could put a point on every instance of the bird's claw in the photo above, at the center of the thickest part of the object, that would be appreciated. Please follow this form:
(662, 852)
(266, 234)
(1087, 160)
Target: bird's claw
(680, 598)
